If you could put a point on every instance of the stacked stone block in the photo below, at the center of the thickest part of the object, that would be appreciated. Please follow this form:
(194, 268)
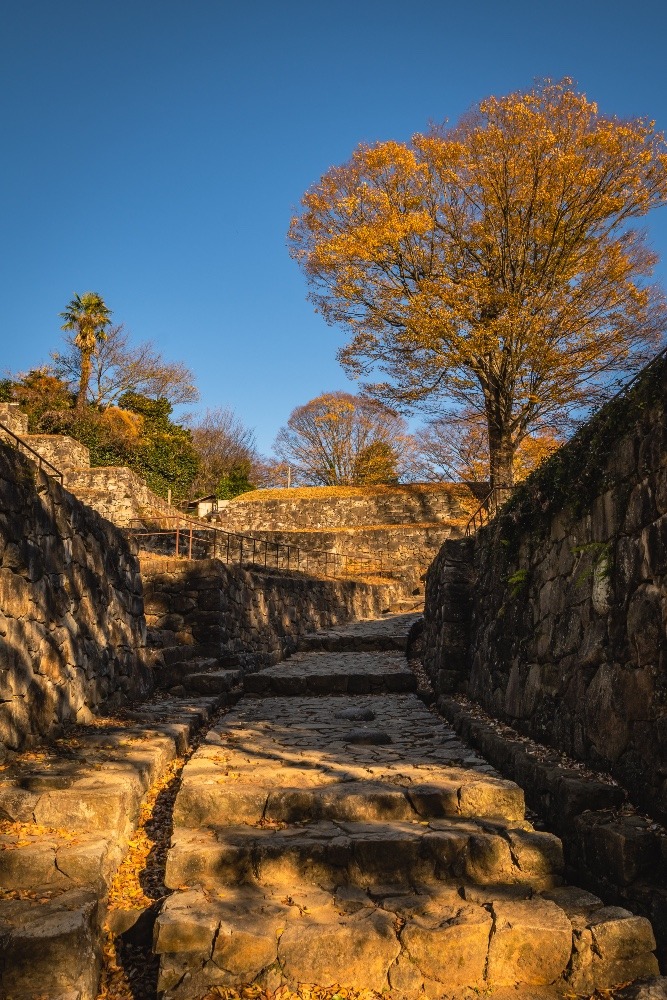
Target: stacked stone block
(72, 628)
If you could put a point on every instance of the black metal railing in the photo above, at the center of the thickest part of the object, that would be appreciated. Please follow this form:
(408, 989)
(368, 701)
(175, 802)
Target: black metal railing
(186, 538)
(42, 463)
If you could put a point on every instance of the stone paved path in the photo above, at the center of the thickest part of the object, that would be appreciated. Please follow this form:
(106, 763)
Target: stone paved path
(332, 830)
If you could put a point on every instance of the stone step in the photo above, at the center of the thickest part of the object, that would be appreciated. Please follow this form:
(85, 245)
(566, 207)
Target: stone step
(416, 942)
(206, 799)
(388, 633)
(175, 673)
(36, 860)
(368, 757)
(183, 654)
(200, 665)
(456, 852)
(212, 682)
(178, 719)
(50, 947)
(67, 811)
(405, 607)
(334, 673)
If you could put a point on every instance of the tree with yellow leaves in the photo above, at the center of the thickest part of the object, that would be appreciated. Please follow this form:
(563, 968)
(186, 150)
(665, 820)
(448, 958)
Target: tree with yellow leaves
(495, 262)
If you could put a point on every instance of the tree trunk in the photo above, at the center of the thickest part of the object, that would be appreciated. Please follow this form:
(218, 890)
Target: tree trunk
(501, 453)
(86, 368)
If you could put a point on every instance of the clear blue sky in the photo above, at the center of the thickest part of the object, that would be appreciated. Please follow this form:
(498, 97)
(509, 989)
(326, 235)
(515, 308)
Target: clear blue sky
(153, 151)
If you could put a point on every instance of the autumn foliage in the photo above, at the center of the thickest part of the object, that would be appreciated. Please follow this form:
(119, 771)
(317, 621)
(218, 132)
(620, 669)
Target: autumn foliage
(494, 263)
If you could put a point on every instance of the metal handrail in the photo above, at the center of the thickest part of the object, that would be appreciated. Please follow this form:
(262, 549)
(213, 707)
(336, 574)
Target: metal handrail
(640, 374)
(230, 547)
(486, 510)
(35, 455)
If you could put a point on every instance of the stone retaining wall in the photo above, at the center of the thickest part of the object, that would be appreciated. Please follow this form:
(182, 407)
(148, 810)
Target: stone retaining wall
(554, 618)
(60, 450)
(326, 508)
(14, 418)
(72, 630)
(204, 608)
(116, 493)
(404, 549)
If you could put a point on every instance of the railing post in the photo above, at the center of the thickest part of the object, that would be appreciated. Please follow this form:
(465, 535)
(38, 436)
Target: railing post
(190, 544)
(177, 533)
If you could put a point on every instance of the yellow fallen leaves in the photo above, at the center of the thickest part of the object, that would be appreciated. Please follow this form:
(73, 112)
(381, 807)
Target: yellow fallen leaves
(37, 895)
(304, 991)
(26, 834)
(136, 885)
(127, 973)
(131, 879)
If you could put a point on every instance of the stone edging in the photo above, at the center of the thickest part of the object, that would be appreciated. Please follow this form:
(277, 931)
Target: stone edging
(609, 848)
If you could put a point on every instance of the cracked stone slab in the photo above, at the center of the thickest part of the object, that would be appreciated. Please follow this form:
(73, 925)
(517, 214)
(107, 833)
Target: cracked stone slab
(425, 942)
(48, 948)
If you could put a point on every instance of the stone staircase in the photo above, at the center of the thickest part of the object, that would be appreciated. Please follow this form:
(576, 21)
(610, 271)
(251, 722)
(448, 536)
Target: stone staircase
(68, 811)
(333, 831)
(201, 676)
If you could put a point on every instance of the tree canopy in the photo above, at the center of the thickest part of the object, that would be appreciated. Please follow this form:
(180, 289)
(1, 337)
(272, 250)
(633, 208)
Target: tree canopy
(338, 439)
(495, 263)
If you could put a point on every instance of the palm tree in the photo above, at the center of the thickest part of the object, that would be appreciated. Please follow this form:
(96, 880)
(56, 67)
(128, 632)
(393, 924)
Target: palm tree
(89, 316)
